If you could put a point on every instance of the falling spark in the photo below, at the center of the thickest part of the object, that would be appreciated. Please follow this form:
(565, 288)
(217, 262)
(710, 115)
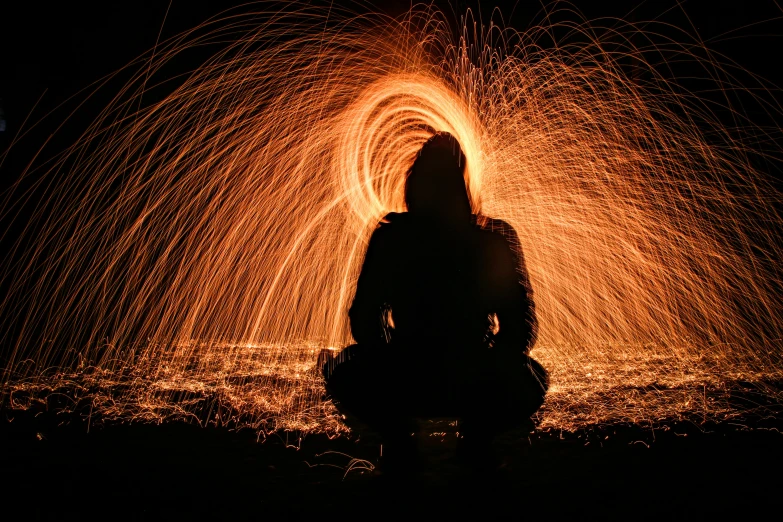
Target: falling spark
(193, 255)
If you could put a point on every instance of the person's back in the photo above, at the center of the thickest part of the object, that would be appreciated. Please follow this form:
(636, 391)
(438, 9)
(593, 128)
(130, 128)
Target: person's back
(443, 314)
(443, 291)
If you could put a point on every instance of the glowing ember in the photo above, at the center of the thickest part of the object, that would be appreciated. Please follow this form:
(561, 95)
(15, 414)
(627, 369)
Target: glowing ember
(214, 247)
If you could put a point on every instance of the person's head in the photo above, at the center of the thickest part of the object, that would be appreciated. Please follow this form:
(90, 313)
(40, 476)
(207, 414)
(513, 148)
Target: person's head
(435, 186)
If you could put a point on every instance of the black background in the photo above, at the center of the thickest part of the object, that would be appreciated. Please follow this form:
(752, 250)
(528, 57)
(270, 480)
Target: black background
(53, 54)
(49, 51)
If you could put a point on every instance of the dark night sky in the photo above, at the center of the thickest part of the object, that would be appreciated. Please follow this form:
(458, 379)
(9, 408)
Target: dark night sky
(58, 48)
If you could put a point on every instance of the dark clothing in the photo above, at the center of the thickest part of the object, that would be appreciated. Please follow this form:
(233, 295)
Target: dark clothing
(386, 389)
(442, 285)
(444, 318)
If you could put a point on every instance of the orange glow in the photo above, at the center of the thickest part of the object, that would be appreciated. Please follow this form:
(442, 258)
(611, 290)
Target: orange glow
(217, 245)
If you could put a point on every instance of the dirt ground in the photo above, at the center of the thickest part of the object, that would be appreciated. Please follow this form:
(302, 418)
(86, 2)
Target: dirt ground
(54, 469)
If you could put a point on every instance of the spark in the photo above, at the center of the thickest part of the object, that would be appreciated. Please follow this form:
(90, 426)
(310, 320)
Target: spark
(194, 254)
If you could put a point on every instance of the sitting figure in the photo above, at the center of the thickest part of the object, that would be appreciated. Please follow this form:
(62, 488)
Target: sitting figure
(443, 316)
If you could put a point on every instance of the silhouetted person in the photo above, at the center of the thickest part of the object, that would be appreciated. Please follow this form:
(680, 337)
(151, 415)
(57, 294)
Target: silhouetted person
(443, 316)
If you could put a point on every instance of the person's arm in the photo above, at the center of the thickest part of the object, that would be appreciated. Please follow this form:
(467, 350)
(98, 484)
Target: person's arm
(371, 295)
(514, 305)
(527, 304)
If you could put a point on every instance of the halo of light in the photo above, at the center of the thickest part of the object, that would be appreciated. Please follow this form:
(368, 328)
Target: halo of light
(209, 243)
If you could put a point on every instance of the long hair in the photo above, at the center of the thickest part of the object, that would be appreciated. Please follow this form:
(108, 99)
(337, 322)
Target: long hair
(435, 185)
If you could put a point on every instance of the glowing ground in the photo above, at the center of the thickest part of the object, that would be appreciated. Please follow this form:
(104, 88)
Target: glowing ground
(276, 387)
(237, 205)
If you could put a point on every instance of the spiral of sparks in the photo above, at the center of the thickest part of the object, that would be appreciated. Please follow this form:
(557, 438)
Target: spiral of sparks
(194, 253)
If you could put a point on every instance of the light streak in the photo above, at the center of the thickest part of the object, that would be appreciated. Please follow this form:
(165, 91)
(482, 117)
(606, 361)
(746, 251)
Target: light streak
(194, 255)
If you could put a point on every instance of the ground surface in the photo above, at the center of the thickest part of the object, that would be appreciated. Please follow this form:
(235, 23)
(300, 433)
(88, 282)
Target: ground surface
(54, 469)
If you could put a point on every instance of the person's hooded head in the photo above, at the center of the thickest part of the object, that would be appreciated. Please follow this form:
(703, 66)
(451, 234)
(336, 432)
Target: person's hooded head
(435, 186)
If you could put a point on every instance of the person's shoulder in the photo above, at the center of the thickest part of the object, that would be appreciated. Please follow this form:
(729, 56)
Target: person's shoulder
(393, 221)
(393, 217)
(494, 225)
(497, 229)
(390, 226)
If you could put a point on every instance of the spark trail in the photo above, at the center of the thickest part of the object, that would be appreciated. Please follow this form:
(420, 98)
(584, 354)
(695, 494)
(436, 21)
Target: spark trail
(193, 254)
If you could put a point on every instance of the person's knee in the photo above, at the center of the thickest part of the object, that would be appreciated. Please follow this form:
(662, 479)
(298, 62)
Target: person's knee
(539, 374)
(325, 363)
(329, 359)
